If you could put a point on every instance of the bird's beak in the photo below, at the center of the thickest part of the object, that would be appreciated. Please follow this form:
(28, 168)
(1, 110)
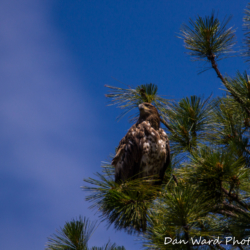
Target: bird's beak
(143, 109)
(141, 106)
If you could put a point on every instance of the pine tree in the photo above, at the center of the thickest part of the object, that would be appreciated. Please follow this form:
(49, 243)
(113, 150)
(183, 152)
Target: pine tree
(205, 194)
(75, 236)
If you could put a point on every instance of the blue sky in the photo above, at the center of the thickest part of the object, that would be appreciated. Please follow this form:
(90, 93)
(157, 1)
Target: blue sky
(56, 57)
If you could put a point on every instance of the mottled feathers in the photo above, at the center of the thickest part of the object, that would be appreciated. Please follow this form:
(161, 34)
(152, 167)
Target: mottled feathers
(144, 150)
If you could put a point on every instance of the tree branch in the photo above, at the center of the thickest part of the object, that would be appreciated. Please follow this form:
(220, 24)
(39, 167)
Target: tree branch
(234, 208)
(228, 209)
(166, 124)
(211, 58)
(235, 198)
(228, 213)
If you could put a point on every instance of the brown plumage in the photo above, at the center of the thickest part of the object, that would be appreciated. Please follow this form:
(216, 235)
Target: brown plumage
(144, 150)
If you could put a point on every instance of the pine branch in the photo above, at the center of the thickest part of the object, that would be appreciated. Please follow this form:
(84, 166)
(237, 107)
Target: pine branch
(229, 210)
(211, 58)
(129, 99)
(166, 125)
(233, 208)
(126, 205)
(234, 197)
(228, 213)
(207, 35)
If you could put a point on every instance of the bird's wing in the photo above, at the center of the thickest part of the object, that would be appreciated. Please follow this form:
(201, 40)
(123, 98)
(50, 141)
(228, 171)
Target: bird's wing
(164, 136)
(128, 155)
(167, 162)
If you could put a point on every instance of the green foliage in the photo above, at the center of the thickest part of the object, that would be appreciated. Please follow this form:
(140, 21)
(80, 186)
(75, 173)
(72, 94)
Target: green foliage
(240, 226)
(229, 119)
(232, 127)
(190, 120)
(239, 87)
(206, 37)
(129, 99)
(212, 169)
(148, 92)
(182, 211)
(126, 205)
(75, 236)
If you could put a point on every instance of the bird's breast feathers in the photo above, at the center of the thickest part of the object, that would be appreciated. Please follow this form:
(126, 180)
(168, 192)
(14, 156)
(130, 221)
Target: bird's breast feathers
(154, 150)
(145, 146)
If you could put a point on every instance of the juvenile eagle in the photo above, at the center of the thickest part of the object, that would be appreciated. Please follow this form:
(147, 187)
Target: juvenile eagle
(144, 151)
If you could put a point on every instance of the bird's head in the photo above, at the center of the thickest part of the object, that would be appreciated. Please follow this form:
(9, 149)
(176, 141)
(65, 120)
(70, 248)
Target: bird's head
(148, 112)
(147, 108)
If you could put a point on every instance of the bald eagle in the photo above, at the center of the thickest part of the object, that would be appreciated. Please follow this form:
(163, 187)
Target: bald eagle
(144, 151)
